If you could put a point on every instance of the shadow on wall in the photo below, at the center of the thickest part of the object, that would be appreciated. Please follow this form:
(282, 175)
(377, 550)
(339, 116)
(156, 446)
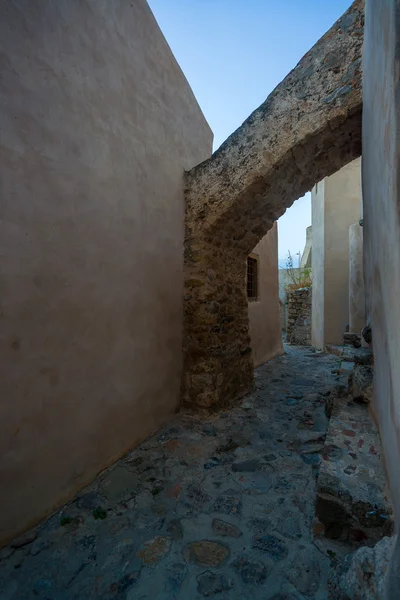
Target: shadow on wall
(264, 316)
(91, 242)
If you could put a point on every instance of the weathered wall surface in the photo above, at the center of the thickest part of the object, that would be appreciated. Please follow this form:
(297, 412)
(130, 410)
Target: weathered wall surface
(264, 319)
(308, 128)
(97, 126)
(299, 317)
(356, 279)
(381, 195)
(342, 208)
(284, 281)
(340, 195)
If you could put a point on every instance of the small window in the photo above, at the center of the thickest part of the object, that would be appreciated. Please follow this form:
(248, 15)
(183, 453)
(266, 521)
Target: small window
(252, 278)
(316, 188)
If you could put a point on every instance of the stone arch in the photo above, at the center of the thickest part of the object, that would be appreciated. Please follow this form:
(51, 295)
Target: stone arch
(308, 128)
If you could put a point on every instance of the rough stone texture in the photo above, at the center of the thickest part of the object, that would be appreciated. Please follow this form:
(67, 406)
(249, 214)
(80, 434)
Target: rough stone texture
(251, 572)
(253, 526)
(298, 329)
(361, 383)
(362, 575)
(225, 529)
(352, 339)
(308, 128)
(206, 553)
(352, 497)
(155, 549)
(210, 584)
(360, 356)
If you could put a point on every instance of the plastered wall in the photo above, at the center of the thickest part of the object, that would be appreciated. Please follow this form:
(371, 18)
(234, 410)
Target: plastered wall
(356, 279)
(264, 315)
(98, 125)
(380, 175)
(335, 207)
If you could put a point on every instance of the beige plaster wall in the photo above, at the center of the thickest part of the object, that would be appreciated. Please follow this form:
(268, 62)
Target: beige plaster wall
(381, 195)
(306, 257)
(356, 279)
(340, 197)
(264, 314)
(342, 208)
(98, 124)
(318, 263)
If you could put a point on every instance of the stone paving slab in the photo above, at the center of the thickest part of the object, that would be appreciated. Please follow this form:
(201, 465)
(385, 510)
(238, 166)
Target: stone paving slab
(220, 506)
(352, 497)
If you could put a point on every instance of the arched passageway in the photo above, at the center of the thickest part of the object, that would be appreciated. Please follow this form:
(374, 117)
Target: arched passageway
(308, 128)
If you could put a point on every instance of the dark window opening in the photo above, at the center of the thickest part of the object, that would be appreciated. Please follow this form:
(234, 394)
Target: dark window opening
(252, 278)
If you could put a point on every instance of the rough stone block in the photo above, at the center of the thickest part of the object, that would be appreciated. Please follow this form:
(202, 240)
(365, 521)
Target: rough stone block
(336, 350)
(352, 500)
(363, 356)
(346, 367)
(361, 383)
(361, 575)
(352, 339)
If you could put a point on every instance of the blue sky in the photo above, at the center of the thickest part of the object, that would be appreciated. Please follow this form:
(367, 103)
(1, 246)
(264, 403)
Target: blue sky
(234, 53)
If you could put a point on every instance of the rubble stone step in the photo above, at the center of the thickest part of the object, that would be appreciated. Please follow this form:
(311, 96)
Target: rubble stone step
(361, 575)
(361, 356)
(352, 339)
(352, 502)
(361, 383)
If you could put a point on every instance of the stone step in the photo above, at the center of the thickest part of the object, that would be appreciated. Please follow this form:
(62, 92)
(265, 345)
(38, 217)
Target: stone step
(362, 574)
(352, 339)
(352, 502)
(361, 356)
(336, 350)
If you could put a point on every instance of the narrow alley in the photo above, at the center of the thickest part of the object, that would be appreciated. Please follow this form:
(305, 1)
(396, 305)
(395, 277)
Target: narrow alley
(217, 506)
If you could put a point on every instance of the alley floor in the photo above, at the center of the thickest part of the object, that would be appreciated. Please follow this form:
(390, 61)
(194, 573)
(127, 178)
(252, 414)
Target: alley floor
(216, 506)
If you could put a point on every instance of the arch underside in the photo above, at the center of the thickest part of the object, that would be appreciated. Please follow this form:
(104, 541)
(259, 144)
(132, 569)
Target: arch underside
(307, 129)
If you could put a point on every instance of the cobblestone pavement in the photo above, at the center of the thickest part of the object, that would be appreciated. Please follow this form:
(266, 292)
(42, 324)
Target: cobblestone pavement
(216, 506)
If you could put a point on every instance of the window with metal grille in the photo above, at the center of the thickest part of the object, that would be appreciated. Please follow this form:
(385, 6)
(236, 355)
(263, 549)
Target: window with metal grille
(252, 278)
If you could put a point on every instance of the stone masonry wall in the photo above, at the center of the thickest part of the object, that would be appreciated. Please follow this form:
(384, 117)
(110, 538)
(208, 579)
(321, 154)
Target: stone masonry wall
(299, 317)
(308, 128)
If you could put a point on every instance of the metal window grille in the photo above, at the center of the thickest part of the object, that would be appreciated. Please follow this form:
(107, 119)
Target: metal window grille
(252, 278)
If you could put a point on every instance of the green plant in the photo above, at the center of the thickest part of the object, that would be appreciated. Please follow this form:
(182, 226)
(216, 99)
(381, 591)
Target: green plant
(299, 277)
(99, 513)
(66, 521)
